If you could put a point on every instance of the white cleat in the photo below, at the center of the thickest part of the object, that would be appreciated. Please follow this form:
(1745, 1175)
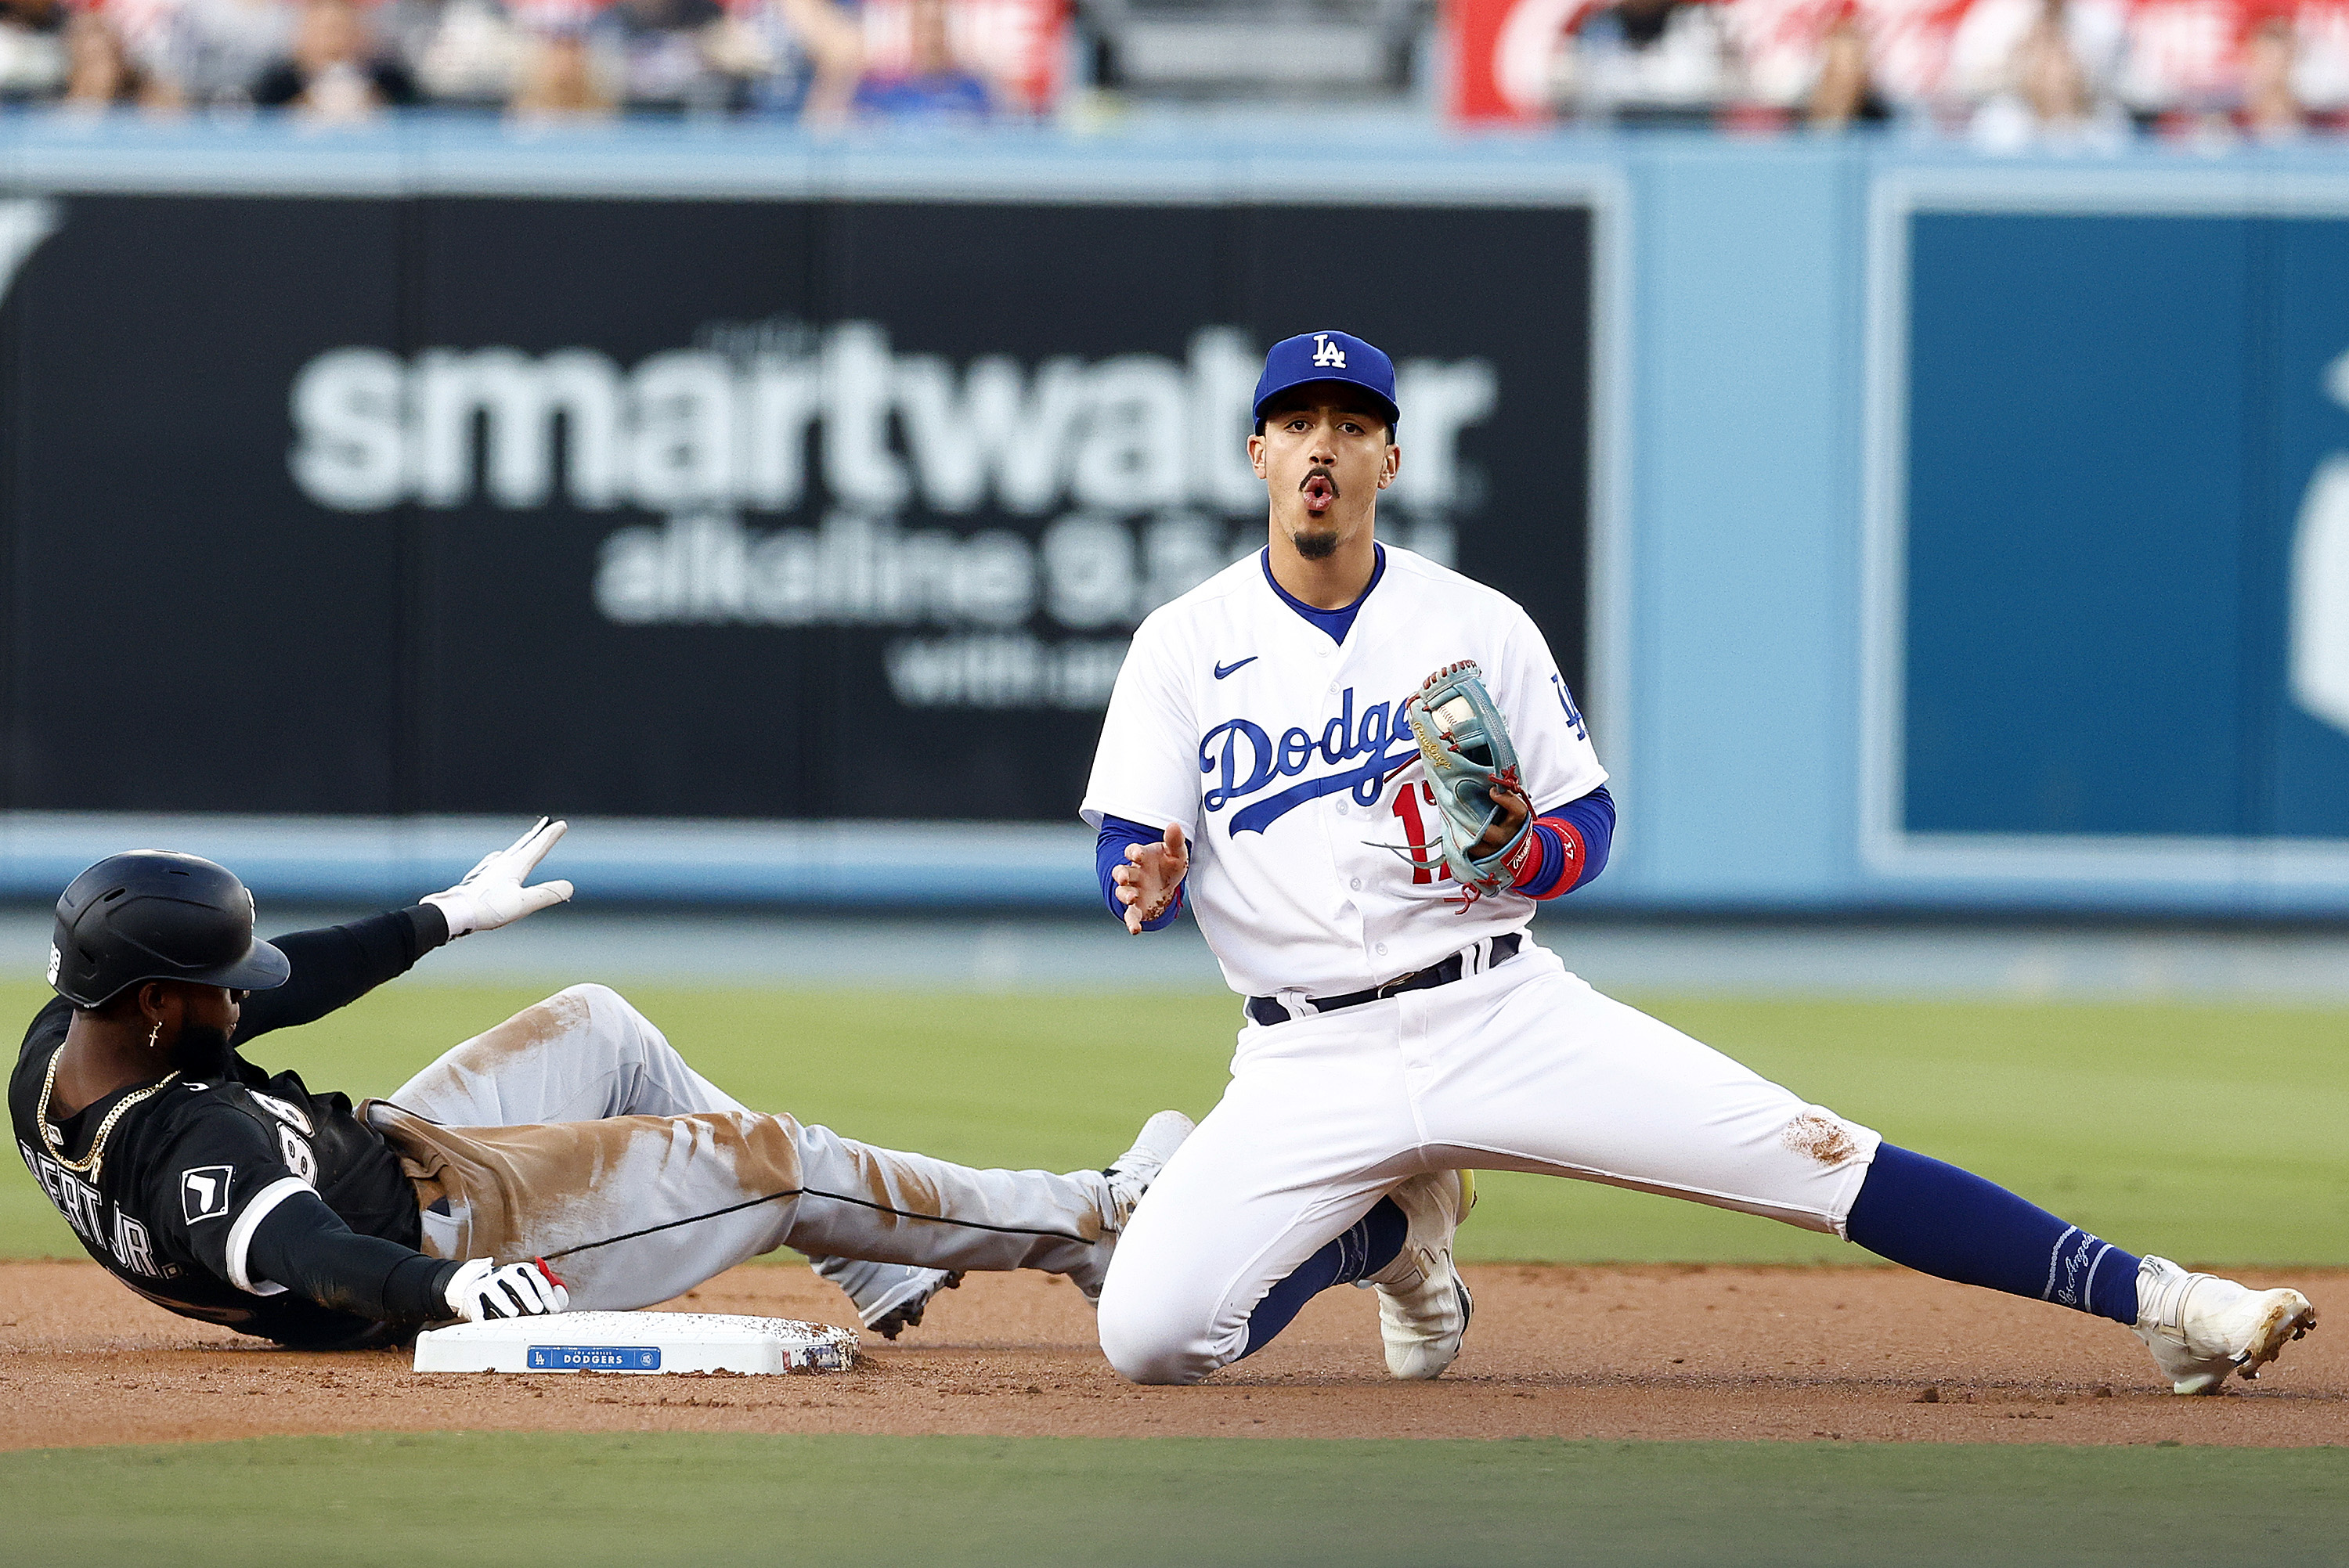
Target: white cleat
(1132, 1172)
(2200, 1327)
(889, 1297)
(1423, 1303)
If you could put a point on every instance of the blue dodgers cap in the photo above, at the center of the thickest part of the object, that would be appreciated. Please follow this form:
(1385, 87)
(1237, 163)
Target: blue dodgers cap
(1326, 357)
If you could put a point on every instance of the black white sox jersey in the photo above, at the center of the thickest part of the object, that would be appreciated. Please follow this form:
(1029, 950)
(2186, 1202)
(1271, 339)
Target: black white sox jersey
(188, 1173)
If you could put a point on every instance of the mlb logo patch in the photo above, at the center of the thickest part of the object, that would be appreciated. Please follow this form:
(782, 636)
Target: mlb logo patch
(203, 1193)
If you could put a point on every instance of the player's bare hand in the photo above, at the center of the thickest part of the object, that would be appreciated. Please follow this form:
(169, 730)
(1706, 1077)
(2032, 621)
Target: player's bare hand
(1146, 884)
(481, 1290)
(491, 894)
(1514, 809)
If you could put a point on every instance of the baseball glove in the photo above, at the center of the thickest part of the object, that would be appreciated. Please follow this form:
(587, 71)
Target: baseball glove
(1465, 745)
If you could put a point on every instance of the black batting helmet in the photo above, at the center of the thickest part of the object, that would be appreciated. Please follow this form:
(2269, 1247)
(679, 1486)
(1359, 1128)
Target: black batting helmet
(151, 914)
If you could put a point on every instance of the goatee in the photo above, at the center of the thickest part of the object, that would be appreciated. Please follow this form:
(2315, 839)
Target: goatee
(1315, 546)
(200, 1053)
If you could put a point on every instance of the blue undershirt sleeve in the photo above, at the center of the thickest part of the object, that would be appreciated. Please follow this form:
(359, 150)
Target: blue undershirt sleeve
(1108, 854)
(1593, 817)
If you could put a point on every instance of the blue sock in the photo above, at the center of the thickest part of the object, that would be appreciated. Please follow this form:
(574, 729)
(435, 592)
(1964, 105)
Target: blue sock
(1940, 1219)
(1360, 1252)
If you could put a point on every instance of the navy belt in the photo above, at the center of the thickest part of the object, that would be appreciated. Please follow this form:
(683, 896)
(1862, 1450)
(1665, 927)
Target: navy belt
(1271, 1010)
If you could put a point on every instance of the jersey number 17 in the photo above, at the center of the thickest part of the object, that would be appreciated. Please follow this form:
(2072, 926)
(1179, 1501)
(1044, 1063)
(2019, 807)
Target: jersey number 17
(1407, 802)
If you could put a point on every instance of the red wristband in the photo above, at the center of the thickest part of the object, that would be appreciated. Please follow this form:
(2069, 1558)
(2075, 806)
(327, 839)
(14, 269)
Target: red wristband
(1571, 837)
(1537, 860)
(1530, 857)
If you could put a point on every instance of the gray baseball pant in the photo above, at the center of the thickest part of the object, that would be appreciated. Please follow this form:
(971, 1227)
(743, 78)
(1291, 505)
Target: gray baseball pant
(574, 1131)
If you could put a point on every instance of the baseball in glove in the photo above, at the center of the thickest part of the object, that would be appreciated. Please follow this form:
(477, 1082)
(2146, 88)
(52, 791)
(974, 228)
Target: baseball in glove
(1465, 745)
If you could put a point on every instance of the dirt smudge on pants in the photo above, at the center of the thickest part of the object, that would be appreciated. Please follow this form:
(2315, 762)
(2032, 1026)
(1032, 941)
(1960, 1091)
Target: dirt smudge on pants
(535, 1027)
(565, 1186)
(1819, 1138)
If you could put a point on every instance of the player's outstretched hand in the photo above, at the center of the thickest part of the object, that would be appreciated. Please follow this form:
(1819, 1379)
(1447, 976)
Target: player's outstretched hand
(491, 893)
(1146, 884)
(481, 1290)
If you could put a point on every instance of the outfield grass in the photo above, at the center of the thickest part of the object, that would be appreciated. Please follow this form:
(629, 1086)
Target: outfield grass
(1043, 1502)
(2206, 1133)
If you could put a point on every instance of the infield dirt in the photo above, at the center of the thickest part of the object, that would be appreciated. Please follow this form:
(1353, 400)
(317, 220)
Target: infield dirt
(1672, 1353)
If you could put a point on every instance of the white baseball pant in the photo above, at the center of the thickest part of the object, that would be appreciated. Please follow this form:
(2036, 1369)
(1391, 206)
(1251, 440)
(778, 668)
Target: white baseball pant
(1522, 1067)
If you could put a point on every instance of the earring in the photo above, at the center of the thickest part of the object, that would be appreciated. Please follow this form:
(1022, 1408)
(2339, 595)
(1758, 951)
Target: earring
(154, 1034)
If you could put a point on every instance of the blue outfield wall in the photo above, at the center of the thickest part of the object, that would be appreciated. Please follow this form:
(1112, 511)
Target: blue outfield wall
(1735, 655)
(1966, 533)
(1962, 510)
(1985, 548)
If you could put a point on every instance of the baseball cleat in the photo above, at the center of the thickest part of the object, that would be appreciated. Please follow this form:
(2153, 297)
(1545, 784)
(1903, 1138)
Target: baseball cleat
(889, 1297)
(1132, 1172)
(2199, 1327)
(1423, 1303)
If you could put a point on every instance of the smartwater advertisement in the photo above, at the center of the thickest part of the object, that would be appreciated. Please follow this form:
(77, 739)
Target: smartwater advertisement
(734, 508)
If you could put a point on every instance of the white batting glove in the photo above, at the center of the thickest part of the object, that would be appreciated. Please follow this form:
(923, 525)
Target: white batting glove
(491, 893)
(481, 1290)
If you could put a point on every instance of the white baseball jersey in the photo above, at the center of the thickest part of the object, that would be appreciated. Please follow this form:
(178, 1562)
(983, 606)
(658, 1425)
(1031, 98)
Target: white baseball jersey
(1282, 755)
(1286, 759)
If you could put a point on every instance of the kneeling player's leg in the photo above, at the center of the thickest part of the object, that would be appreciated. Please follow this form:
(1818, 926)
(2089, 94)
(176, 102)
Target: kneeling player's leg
(1527, 1068)
(634, 1210)
(1537, 1071)
(1941, 1220)
(582, 1053)
(1276, 1196)
(1362, 1250)
(1656, 1108)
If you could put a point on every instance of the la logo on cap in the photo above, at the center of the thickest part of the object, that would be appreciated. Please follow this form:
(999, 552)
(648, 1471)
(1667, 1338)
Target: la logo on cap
(1326, 352)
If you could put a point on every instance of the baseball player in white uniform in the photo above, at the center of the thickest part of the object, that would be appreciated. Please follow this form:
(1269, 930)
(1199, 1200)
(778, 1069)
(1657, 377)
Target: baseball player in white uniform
(1363, 844)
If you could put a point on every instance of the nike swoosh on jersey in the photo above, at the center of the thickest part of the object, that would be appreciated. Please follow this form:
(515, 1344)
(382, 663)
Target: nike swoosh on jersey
(1223, 670)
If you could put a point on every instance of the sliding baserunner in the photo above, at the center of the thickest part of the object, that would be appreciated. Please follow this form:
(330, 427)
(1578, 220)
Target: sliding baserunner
(1357, 840)
(567, 1158)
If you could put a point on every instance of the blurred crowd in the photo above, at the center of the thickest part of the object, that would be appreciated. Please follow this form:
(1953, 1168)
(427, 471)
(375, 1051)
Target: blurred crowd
(2008, 73)
(816, 61)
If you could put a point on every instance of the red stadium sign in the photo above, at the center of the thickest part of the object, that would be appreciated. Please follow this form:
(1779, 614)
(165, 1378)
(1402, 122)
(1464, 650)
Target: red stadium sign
(1501, 52)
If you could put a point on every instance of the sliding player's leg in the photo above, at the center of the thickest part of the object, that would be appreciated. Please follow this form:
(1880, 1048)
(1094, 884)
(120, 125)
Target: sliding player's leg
(574, 1131)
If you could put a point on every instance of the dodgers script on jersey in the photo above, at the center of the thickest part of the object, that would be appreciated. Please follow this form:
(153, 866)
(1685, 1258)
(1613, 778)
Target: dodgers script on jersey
(1285, 760)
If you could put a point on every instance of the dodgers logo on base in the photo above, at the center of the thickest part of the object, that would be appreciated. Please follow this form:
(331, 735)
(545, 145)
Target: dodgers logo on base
(595, 1358)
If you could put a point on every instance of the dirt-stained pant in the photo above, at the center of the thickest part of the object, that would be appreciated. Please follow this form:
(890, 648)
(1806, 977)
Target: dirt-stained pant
(574, 1131)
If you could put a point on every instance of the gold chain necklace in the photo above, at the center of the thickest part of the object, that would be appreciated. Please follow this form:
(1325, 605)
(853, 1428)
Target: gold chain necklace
(89, 1163)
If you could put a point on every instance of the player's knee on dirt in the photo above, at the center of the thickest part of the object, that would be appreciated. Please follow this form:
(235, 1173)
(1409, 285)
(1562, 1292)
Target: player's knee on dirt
(1153, 1340)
